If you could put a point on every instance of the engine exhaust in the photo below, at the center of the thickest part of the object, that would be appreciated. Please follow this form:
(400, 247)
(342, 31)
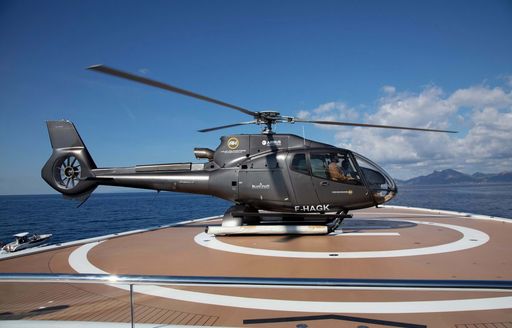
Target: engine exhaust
(204, 153)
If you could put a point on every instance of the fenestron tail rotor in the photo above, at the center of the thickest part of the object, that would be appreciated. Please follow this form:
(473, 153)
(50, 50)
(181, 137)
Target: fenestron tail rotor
(267, 118)
(68, 172)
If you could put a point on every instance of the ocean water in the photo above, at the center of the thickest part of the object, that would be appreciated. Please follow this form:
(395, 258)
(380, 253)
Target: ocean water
(117, 212)
(487, 199)
(102, 214)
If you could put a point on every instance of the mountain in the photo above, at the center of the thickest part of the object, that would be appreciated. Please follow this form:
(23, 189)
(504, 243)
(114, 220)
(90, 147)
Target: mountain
(442, 177)
(450, 176)
(482, 176)
(501, 177)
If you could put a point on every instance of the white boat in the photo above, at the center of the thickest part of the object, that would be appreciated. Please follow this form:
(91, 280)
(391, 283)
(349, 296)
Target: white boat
(25, 240)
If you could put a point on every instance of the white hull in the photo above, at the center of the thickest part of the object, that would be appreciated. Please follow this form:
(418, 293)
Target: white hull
(15, 246)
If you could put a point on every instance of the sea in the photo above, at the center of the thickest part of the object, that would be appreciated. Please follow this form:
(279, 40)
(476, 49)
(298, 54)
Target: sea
(107, 213)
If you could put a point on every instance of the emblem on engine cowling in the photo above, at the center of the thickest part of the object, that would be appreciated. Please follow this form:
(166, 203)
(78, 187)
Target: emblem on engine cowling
(233, 143)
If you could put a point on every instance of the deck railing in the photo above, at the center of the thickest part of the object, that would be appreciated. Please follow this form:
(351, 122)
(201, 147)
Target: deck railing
(254, 281)
(132, 280)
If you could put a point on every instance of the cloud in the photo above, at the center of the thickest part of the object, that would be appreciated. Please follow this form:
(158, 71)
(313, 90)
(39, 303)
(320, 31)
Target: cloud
(331, 111)
(483, 115)
(480, 96)
(508, 80)
(389, 89)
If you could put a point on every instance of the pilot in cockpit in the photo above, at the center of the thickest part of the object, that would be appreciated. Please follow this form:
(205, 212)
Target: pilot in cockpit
(335, 171)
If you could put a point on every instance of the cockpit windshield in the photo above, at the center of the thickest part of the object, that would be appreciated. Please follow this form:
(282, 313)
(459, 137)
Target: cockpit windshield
(334, 166)
(346, 167)
(380, 183)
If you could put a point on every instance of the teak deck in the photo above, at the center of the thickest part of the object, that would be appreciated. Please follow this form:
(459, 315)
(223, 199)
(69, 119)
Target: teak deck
(386, 243)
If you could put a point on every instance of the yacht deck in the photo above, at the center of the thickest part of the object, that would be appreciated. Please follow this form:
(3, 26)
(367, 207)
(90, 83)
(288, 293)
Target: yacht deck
(378, 243)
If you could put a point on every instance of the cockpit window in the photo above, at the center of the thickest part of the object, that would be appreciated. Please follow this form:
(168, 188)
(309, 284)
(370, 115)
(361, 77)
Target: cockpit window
(319, 165)
(299, 163)
(334, 166)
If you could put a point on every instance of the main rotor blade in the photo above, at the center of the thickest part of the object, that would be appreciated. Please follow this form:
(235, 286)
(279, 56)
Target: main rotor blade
(168, 87)
(372, 126)
(227, 126)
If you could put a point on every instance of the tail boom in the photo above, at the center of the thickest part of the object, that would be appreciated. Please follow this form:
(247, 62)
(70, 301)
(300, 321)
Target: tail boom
(169, 181)
(72, 171)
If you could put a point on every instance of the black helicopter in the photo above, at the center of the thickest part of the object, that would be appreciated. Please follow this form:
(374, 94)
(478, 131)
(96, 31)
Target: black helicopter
(274, 180)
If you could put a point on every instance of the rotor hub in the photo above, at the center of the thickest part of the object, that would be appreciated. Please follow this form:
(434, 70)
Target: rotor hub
(269, 114)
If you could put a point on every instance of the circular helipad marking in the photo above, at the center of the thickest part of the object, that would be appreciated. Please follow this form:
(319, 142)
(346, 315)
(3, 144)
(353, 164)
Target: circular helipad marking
(471, 238)
(79, 262)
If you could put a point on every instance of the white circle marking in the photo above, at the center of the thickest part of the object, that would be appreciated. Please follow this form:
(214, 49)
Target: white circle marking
(79, 262)
(471, 238)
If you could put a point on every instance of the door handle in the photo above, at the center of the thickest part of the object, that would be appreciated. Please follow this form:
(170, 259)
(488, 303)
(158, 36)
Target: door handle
(324, 183)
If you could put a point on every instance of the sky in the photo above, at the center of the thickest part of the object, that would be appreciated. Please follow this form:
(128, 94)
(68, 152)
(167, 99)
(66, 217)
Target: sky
(434, 64)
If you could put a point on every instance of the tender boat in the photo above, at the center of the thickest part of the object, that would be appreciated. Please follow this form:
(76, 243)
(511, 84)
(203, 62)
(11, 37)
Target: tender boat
(25, 240)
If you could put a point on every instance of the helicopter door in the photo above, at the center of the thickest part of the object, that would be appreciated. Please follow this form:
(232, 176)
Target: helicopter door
(301, 179)
(263, 183)
(337, 182)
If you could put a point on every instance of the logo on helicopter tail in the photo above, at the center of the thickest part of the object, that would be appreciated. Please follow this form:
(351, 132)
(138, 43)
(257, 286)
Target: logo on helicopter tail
(233, 143)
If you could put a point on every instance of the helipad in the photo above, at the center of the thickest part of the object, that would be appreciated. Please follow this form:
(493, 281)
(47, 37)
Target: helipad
(381, 243)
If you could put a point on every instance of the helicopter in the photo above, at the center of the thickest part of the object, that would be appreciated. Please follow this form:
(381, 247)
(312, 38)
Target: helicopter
(278, 183)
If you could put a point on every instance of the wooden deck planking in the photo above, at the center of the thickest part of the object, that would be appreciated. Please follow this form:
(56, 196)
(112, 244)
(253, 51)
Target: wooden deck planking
(102, 303)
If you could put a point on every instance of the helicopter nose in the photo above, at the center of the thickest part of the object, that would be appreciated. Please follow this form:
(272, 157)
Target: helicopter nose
(379, 182)
(383, 195)
(391, 192)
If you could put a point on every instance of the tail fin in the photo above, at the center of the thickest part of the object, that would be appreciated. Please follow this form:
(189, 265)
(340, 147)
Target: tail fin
(70, 164)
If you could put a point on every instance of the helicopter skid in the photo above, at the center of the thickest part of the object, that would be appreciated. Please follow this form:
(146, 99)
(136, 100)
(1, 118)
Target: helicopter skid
(290, 216)
(276, 223)
(285, 218)
(269, 230)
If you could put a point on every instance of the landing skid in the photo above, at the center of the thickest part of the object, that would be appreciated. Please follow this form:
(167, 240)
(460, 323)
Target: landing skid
(239, 221)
